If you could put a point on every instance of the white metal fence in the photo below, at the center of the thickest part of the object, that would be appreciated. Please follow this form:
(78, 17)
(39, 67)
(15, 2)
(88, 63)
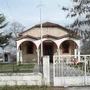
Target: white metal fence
(71, 70)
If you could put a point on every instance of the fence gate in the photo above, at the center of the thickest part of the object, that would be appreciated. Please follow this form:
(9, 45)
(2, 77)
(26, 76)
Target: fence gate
(71, 70)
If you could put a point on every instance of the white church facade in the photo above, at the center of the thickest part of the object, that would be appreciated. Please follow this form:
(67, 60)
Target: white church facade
(56, 40)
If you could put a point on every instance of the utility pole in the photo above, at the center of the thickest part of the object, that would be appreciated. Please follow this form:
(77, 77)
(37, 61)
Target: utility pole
(41, 33)
(41, 29)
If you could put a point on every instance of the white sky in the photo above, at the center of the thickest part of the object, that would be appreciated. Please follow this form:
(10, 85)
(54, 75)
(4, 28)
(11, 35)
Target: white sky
(27, 12)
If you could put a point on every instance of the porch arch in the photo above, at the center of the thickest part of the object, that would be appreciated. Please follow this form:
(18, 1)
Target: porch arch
(49, 48)
(64, 39)
(68, 47)
(46, 39)
(28, 51)
(24, 40)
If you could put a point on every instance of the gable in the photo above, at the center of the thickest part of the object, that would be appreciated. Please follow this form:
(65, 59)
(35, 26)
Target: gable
(48, 29)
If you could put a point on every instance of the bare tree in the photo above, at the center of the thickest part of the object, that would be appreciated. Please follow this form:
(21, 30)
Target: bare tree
(16, 28)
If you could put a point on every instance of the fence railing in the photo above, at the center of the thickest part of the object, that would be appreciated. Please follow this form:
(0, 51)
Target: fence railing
(72, 65)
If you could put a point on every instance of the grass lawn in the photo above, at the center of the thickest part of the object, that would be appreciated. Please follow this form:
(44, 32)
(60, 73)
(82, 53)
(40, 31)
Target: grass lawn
(29, 88)
(4, 68)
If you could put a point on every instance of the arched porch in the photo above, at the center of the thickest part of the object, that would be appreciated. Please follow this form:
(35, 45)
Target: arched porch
(49, 49)
(68, 47)
(30, 50)
(27, 52)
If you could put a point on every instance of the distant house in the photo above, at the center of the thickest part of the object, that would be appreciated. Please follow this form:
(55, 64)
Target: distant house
(5, 57)
(57, 40)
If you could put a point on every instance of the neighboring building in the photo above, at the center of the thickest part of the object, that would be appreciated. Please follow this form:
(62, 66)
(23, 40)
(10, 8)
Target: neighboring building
(57, 40)
(6, 57)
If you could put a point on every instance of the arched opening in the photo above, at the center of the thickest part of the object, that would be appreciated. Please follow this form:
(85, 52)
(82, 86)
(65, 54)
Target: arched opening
(28, 49)
(68, 47)
(49, 49)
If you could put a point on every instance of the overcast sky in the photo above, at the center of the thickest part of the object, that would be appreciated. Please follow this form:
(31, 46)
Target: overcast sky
(27, 12)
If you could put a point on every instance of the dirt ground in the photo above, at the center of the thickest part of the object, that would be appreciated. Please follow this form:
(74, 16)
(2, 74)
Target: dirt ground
(71, 88)
(78, 88)
(43, 88)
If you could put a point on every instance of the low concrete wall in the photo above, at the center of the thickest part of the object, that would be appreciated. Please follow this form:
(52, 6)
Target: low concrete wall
(21, 79)
(72, 81)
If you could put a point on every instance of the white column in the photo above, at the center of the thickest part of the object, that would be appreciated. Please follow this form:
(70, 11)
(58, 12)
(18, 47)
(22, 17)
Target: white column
(78, 50)
(75, 52)
(79, 54)
(38, 55)
(19, 56)
(58, 50)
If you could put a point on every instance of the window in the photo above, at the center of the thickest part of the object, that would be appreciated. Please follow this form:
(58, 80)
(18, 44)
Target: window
(65, 47)
(29, 48)
(6, 57)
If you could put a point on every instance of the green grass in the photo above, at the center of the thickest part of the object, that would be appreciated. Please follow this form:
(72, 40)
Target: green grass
(24, 88)
(29, 88)
(4, 68)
